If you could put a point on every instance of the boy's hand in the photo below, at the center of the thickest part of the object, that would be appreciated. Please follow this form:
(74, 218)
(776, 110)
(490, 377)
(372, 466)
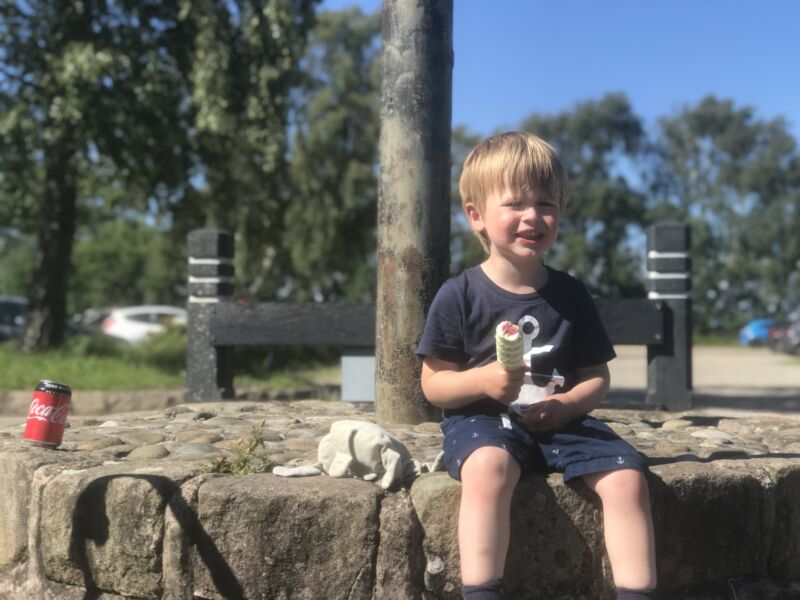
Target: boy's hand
(550, 414)
(502, 385)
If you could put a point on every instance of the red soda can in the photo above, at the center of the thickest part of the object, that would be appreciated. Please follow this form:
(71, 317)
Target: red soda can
(47, 415)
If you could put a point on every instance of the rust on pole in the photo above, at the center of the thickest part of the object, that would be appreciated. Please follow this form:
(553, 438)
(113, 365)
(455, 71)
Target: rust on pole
(413, 196)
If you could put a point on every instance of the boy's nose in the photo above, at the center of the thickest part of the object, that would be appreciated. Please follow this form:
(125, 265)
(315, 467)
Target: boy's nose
(530, 214)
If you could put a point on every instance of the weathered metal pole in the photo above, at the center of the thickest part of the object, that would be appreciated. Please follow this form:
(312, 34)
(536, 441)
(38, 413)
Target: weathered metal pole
(413, 195)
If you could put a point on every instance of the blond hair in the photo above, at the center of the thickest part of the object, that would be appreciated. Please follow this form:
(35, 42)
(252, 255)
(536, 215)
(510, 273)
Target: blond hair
(515, 160)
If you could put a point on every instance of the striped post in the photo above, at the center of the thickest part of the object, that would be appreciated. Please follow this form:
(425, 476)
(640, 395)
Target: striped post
(669, 364)
(209, 369)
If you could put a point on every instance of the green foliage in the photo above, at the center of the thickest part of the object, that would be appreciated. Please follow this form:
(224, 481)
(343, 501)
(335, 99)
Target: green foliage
(126, 125)
(329, 232)
(125, 262)
(245, 68)
(17, 258)
(158, 108)
(736, 179)
(250, 457)
(165, 350)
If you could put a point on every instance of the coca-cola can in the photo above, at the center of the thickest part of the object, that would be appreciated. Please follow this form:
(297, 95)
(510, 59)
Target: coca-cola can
(47, 415)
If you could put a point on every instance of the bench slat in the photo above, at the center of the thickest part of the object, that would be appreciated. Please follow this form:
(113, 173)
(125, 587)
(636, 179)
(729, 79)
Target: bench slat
(294, 324)
(635, 321)
(352, 325)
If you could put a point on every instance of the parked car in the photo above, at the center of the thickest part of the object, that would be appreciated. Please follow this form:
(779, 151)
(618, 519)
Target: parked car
(791, 338)
(777, 335)
(756, 332)
(135, 323)
(89, 320)
(13, 310)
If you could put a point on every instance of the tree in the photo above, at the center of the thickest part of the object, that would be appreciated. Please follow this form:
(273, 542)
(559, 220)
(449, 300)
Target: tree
(736, 179)
(600, 144)
(145, 272)
(152, 105)
(329, 230)
(84, 87)
(244, 68)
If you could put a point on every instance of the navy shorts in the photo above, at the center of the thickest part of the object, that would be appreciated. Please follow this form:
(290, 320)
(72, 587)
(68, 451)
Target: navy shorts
(583, 447)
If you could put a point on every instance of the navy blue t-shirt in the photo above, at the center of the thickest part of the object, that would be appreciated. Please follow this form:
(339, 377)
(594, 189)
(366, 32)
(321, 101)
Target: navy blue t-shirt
(561, 327)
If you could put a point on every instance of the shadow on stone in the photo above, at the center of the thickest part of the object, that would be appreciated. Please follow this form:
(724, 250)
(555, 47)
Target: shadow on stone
(767, 399)
(91, 522)
(720, 455)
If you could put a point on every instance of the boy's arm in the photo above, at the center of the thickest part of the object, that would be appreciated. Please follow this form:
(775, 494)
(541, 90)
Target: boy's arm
(447, 385)
(591, 387)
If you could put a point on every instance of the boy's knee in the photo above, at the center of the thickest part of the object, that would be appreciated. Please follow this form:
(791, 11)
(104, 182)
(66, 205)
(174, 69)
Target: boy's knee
(490, 468)
(624, 485)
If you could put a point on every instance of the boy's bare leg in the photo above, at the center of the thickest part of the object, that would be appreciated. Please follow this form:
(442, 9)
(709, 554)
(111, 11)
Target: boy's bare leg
(488, 478)
(628, 526)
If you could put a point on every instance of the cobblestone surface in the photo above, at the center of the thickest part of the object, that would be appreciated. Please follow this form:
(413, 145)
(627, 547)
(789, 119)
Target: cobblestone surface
(292, 429)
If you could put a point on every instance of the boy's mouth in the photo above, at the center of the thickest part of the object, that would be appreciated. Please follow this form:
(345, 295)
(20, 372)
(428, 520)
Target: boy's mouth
(531, 236)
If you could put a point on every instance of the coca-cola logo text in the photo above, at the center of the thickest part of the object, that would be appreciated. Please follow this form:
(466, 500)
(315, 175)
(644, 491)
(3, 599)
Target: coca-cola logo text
(48, 413)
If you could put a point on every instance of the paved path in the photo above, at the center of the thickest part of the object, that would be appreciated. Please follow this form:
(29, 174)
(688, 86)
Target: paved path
(726, 379)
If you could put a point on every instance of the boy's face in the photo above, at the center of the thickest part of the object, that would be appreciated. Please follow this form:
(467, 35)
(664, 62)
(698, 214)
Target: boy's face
(519, 224)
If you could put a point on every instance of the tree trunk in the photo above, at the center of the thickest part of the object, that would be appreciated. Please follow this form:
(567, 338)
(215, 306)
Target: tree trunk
(47, 309)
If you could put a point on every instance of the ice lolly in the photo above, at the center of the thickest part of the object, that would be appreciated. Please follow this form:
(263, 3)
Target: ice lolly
(508, 341)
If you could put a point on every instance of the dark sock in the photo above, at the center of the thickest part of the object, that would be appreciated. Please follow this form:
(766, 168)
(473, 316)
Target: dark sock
(626, 594)
(491, 590)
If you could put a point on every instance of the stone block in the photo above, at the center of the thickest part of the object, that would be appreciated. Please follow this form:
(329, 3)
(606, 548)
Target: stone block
(400, 563)
(556, 548)
(181, 533)
(268, 537)
(436, 499)
(784, 559)
(103, 527)
(16, 474)
(713, 522)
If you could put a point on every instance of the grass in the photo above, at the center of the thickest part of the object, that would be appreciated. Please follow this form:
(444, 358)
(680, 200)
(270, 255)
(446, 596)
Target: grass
(22, 371)
(101, 363)
(715, 339)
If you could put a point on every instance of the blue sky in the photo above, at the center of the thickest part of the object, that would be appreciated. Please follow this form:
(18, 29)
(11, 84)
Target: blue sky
(515, 57)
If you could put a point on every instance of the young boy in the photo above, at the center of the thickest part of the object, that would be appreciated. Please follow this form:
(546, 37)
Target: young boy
(513, 191)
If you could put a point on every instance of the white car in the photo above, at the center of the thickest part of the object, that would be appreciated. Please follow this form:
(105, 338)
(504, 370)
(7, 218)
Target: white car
(135, 323)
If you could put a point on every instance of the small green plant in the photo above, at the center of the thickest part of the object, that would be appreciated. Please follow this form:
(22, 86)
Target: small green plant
(250, 457)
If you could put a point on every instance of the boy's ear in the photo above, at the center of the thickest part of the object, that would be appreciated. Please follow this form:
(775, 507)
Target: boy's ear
(474, 217)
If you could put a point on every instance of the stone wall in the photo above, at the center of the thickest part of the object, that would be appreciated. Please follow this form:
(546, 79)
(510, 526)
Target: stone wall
(91, 520)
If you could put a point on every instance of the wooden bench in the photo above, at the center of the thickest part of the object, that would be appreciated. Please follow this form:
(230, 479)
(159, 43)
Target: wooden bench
(216, 324)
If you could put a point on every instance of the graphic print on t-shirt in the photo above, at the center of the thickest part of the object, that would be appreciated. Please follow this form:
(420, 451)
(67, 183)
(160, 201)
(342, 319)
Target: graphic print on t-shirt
(545, 383)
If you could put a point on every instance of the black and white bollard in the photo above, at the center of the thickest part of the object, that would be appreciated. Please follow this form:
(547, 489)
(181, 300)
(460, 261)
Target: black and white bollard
(209, 369)
(669, 364)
